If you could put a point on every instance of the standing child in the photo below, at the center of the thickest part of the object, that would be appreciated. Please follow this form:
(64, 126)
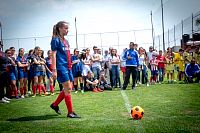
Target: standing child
(22, 64)
(154, 69)
(62, 67)
(49, 71)
(77, 68)
(169, 67)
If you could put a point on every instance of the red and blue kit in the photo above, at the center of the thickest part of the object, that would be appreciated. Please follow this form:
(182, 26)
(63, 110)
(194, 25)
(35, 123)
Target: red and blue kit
(39, 70)
(22, 71)
(49, 65)
(63, 59)
(77, 68)
(10, 69)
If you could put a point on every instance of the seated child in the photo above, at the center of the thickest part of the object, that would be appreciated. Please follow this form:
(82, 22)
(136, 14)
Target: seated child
(103, 85)
(91, 84)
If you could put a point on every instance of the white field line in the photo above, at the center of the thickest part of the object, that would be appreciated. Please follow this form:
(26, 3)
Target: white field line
(126, 101)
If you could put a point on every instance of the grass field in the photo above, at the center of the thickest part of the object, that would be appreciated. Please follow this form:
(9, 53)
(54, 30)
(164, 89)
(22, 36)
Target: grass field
(168, 108)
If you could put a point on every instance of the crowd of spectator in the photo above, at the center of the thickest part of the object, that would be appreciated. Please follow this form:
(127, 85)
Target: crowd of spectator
(25, 75)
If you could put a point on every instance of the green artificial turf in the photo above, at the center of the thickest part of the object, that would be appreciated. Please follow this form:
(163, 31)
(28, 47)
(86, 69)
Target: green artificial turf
(167, 108)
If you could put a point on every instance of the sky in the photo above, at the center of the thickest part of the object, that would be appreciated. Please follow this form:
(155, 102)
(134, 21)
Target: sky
(35, 18)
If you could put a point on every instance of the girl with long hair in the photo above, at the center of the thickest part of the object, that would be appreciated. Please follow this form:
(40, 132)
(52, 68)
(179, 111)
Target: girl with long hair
(62, 67)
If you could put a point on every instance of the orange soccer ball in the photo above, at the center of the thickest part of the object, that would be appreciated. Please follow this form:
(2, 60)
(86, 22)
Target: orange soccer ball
(137, 112)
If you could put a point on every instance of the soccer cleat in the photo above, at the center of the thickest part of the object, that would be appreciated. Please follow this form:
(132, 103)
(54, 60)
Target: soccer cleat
(34, 95)
(56, 109)
(73, 115)
(22, 96)
(52, 94)
(76, 91)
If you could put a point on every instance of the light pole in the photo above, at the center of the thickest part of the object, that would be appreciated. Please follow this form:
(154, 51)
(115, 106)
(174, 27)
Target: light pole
(1, 41)
(163, 29)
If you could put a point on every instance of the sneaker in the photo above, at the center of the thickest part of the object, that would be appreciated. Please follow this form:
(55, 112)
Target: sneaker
(7, 99)
(17, 97)
(133, 88)
(99, 90)
(82, 91)
(56, 109)
(147, 84)
(95, 90)
(52, 94)
(4, 101)
(29, 92)
(73, 115)
(22, 96)
(76, 91)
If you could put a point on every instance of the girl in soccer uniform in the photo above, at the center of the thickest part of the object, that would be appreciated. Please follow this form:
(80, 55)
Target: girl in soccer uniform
(10, 69)
(169, 56)
(29, 68)
(38, 70)
(154, 69)
(62, 67)
(49, 71)
(22, 65)
(77, 68)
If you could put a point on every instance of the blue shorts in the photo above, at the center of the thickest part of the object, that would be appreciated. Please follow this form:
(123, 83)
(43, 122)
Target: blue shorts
(39, 73)
(77, 74)
(12, 76)
(64, 74)
(49, 75)
(154, 72)
(22, 74)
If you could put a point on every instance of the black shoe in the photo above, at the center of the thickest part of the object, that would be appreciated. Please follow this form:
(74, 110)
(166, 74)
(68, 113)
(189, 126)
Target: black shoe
(56, 109)
(73, 115)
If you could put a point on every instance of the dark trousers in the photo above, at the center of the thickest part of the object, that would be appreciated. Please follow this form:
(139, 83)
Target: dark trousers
(130, 70)
(196, 75)
(3, 81)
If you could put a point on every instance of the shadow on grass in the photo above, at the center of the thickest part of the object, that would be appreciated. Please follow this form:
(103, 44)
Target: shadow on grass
(35, 118)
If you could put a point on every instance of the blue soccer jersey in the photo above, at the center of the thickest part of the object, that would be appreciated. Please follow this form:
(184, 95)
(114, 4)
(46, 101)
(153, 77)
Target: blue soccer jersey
(21, 60)
(77, 67)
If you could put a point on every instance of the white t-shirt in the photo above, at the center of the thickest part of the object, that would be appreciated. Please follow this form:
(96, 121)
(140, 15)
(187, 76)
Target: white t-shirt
(96, 63)
(114, 59)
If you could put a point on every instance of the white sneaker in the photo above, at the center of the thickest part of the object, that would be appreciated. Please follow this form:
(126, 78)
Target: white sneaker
(22, 96)
(29, 92)
(82, 91)
(136, 85)
(147, 84)
(7, 99)
(4, 101)
(76, 91)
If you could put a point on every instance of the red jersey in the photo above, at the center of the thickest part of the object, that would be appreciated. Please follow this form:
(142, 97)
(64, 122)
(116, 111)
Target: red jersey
(161, 60)
(154, 64)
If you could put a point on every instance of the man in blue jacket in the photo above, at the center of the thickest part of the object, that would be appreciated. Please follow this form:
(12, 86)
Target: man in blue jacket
(132, 63)
(192, 71)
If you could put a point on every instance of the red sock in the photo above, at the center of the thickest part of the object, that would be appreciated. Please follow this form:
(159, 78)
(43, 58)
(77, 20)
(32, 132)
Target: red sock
(43, 89)
(39, 89)
(21, 91)
(151, 79)
(51, 89)
(59, 98)
(16, 92)
(24, 90)
(34, 87)
(68, 102)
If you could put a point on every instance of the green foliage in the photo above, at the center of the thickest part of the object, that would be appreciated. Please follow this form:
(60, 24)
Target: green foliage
(167, 108)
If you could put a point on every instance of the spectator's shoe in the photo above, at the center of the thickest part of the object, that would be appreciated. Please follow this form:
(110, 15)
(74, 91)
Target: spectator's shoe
(52, 94)
(76, 91)
(17, 97)
(34, 95)
(147, 84)
(7, 99)
(95, 90)
(4, 101)
(99, 90)
(56, 109)
(22, 96)
(73, 115)
(123, 88)
(82, 91)
(133, 88)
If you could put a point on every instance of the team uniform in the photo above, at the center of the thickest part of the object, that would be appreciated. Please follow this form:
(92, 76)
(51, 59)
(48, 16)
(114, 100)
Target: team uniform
(38, 70)
(154, 69)
(64, 73)
(77, 68)
(22, 72)
(49, 65)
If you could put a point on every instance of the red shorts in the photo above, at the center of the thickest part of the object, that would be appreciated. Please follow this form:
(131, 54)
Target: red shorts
(123, 69)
